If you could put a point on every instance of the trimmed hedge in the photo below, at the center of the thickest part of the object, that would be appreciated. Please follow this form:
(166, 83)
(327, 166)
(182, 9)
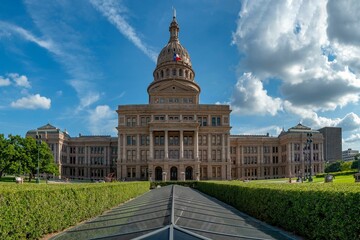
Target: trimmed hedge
(343, 173)
(314, 211)
(29, 211)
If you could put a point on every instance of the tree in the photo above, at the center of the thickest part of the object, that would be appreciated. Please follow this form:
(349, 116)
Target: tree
(10, 154)
(38, 155)
(21, 155)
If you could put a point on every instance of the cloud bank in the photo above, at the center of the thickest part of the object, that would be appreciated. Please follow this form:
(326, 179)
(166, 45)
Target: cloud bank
(308, 50)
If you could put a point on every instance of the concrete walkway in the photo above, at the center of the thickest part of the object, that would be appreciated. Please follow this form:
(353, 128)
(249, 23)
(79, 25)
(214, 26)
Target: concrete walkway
(174, 212)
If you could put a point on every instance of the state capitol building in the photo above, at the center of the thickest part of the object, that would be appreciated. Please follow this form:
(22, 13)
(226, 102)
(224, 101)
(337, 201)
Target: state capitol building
(174, 137)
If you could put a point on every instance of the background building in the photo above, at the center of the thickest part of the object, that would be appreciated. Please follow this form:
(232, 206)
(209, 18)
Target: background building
(349, 155)
(174, 137)
(82, 157)
(332, 143)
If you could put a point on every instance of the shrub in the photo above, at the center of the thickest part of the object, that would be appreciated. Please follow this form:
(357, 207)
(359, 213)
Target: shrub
(333, 167)
(355, 164)
(314, 211)
(30, 211)
(343, 173)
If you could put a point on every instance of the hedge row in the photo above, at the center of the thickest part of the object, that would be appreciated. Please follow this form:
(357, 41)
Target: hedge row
(314, 211)
(343, 173)
(31, 211)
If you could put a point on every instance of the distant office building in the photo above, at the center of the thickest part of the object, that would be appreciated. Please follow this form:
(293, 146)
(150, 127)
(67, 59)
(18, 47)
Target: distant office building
(332, 143)
(349, 155)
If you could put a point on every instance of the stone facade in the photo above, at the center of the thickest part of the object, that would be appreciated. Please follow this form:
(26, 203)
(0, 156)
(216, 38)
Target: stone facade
(82, 157)
(174, 137)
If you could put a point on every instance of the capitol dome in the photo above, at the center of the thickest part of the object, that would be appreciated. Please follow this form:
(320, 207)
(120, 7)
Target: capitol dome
(173, 47)
(174, 78)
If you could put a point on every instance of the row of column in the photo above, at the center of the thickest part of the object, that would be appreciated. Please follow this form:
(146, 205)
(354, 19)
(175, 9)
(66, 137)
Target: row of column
(166, 145)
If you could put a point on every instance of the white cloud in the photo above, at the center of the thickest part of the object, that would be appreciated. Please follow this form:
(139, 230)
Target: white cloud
(271, 130)
(353, 138)
(32, 102)
(305, 46)
(102, 120)
(250, 94)
(342, 24)
(349, 122)
(113, 11)
(20, 80)
(4, 81)
(7, 29)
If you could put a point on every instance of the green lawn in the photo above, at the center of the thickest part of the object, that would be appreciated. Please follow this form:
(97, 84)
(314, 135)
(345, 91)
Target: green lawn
(338, 179)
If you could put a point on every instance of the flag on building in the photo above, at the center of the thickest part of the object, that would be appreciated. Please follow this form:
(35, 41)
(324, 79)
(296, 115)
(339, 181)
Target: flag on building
(176, 57)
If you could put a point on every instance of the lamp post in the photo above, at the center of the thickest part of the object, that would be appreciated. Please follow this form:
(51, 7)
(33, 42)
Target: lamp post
(38, 144)
(308, 144)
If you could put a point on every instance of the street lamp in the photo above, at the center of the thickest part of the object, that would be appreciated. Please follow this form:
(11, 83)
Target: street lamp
(308, 144)
(38, 143)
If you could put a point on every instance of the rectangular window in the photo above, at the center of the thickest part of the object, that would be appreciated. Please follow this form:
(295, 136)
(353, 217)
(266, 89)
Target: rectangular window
(213, 155)
(218, 155)
(213, 139)
(159, 117)
(215, 121)
(144, 140)
(218, 139)
(128, 141)
(176, 140)
(202, 121)
(204, 140)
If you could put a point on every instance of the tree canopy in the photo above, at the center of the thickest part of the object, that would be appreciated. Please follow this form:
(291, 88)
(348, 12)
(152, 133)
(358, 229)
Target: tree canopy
(20, 155)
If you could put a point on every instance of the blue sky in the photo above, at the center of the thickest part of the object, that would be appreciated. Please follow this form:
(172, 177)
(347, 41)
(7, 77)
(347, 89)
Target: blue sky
(277, 63)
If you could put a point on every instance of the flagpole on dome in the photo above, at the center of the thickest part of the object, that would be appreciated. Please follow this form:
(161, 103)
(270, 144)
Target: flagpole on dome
(174, 12)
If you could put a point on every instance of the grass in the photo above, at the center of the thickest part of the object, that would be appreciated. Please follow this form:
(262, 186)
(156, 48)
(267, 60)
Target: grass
(338, 179)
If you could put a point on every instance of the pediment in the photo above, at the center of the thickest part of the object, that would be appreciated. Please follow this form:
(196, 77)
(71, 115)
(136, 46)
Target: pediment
(174, 87)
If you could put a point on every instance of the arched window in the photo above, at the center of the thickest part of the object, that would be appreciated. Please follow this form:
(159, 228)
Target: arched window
(162, 73)
(186, 73)
(180, 72)
(174, 72)
(167, 72)
(157, 75)
(190, 76)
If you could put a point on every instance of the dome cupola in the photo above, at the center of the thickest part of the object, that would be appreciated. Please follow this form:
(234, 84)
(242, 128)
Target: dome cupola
(173, 76)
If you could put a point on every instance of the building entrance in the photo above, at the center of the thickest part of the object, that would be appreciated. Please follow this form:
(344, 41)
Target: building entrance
(189, 173)
(158, 174)
(173, 174)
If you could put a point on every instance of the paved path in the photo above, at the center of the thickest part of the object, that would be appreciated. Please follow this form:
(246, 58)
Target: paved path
(174, 212)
